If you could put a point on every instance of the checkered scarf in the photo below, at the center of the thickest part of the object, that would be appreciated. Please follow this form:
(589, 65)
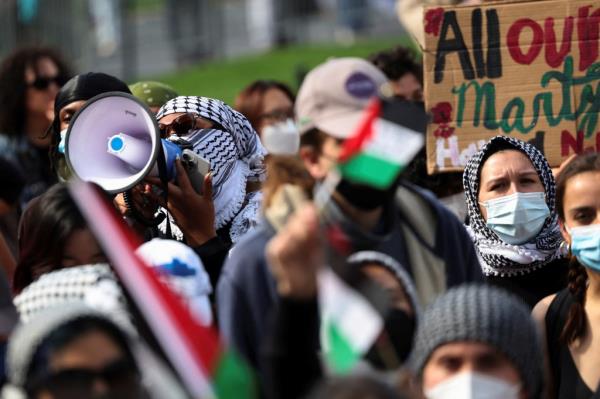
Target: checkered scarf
(249, 147)
(94, 285)
(497, 257)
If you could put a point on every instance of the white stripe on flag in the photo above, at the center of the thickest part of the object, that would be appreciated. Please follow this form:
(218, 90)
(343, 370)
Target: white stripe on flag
(393, 142)
(348, 310)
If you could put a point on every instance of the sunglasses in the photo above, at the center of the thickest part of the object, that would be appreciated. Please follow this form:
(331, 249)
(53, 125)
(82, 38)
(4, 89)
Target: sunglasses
(121, 378)
(180, 126)
(279, 114)
(43, 82)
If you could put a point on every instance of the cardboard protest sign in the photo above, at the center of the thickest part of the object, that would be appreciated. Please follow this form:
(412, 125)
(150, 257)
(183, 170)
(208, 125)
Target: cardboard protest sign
(530, 70)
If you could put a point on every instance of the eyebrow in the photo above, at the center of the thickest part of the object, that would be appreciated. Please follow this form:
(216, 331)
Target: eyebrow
(66, 111)
(530, 172)
(581, 209)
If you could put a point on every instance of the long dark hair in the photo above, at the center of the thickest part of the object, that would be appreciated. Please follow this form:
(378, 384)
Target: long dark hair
(575, 325)
(13, 88)
(250, 100)
(44, 229)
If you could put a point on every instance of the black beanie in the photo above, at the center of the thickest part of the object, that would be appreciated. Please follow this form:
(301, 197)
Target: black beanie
(81, 87)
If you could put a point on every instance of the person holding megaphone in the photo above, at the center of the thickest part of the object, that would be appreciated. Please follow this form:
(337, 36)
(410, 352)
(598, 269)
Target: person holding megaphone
(227, 140)
(116, 142)
(70, 99)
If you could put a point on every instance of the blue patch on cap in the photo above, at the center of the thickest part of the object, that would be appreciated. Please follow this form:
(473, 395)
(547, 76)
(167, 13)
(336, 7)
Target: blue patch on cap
(360, 85)
(178, 269)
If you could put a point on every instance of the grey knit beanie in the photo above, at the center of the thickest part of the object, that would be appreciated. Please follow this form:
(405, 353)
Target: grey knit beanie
(391, 264)
(483, 314)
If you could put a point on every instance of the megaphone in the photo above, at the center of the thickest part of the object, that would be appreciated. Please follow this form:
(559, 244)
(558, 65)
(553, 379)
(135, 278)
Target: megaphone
(114, 141)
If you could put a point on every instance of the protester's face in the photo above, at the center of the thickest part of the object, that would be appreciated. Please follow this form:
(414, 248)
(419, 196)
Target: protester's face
(389, 282)
(454, 358)
(319, 162)
(167, 124)
(82, 248)
(409, 87)
(66, 113)
(581, 202)
(277, 107)
(91, 366)
(42, 88)
(505, 173)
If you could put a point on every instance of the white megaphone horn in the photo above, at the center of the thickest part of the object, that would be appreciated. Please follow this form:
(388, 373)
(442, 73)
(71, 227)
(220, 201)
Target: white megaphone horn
(114, 141)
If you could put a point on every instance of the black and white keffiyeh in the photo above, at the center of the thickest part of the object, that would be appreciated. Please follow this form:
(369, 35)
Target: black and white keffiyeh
(94, 285)
(496, 257)
(249, 148)
(236, 157)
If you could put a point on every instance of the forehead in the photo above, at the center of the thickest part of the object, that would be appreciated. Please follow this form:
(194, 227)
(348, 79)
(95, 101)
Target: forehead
(464, 349)
(583, 189)
(504, 161)
(275, 98)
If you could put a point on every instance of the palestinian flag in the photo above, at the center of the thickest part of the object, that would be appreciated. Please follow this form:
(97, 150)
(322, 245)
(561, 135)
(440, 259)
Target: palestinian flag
(349, 323)
(196, 353)
(379, 150)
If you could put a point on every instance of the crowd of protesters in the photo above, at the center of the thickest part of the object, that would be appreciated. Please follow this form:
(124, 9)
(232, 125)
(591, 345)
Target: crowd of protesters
(489, 286)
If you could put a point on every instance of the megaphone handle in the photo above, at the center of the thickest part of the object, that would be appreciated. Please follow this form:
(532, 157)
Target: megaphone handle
(137, 215)
(164, 179)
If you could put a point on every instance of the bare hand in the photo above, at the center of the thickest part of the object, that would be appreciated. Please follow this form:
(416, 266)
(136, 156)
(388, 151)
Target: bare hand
(295, 254)
(194, 213)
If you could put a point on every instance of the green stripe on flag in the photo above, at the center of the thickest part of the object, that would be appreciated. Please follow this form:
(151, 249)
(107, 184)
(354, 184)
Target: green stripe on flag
(233, 379)
(367, 169)
(340, 356)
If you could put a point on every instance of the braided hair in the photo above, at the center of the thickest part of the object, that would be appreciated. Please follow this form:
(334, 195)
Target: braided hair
(575, 326)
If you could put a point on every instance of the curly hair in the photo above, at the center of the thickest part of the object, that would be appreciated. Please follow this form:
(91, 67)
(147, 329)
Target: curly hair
(397, 62)
(13, 88)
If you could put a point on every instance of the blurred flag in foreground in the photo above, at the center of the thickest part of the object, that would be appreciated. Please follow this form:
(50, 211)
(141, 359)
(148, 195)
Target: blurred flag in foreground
(349, 323)
(390, 134)
(380, 149)
(205, 366)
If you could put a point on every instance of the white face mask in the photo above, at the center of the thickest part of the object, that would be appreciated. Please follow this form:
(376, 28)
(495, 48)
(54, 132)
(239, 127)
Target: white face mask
(281, 138)
(473, 386)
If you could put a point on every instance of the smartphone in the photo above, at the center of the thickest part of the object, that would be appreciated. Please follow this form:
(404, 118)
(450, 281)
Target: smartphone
(196, 168)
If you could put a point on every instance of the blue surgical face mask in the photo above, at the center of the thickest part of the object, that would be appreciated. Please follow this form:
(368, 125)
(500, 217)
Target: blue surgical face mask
(61, 144)
(585, 245)
(517, 218)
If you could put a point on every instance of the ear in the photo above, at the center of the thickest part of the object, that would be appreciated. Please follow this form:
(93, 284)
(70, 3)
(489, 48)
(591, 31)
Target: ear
(564, 232)
(312, 162)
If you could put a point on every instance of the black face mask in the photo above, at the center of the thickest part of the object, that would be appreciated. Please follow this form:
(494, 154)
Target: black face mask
(364, 197)
(399, 329)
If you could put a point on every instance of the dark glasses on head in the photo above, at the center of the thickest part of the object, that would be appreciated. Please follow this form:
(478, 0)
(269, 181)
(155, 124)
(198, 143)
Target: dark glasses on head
(43, 82)
(180, 126)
